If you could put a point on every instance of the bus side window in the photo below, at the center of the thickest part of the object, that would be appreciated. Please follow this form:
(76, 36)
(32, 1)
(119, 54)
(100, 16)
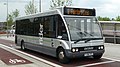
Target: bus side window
(36, 26)
(49, 27)
(61, 28)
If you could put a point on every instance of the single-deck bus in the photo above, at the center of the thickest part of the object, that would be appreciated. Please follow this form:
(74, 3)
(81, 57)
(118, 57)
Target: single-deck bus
(65, 33)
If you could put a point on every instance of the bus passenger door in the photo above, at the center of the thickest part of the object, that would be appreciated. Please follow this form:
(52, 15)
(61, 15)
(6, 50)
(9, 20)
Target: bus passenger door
(49, 34)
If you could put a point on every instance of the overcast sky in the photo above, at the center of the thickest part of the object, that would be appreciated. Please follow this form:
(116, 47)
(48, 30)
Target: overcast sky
(109, 8)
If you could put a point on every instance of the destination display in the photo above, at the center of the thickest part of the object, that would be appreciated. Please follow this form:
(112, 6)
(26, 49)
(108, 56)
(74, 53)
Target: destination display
(79, 11)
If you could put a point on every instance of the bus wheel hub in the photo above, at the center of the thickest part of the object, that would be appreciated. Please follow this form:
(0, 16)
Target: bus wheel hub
(61, 55)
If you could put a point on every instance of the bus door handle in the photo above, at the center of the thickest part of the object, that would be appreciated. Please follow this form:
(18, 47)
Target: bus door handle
(52, 44)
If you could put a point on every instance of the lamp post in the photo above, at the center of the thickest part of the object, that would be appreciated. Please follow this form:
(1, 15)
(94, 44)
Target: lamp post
(40, 5)
(33, 6)
(7, 17)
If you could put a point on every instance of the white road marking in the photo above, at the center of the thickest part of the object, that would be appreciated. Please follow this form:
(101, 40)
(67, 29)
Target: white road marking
(111, 59)
(96, 63)
(40, 59)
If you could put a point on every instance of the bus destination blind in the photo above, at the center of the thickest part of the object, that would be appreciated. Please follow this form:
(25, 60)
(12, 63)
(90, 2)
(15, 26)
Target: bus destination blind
(79, 11)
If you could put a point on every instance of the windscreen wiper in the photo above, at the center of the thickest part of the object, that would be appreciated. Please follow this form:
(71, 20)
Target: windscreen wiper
(88, 33)
(77, 41)
(81, 33)
(86, 40)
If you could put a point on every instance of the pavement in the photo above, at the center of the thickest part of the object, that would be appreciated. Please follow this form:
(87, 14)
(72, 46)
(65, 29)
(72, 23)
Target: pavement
(112, 51)
(11, 38)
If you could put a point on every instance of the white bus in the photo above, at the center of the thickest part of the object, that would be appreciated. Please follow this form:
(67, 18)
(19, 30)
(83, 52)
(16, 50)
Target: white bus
(65, 33)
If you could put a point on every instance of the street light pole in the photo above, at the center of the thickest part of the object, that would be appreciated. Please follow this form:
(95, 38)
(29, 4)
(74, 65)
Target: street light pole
(33, 6)
(40, 4)
(7, 17)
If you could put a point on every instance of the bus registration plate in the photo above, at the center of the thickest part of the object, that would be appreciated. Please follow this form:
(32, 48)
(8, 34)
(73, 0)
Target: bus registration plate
(88, 54)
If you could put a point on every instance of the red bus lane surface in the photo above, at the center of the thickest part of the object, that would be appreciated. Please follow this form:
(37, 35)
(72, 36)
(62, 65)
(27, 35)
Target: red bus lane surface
(12, 59)
(79, 62)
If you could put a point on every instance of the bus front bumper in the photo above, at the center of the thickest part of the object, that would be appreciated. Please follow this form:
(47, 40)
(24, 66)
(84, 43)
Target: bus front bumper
(79, 54)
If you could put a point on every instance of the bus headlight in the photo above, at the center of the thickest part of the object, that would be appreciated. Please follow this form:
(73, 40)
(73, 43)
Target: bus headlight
(99, 48)
(102, 47)
(76, 49)
(73, 50)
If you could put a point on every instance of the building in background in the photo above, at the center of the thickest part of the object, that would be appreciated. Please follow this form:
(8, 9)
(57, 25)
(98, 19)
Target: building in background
(2, 27)
(111, 31)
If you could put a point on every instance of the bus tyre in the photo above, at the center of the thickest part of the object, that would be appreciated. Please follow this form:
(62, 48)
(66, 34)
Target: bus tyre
(23, 46)
(62, 57)
(97, 56)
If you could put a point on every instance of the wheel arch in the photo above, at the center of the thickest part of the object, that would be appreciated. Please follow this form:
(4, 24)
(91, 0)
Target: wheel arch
(65, 59)
(58, 49)
(64, 44)
(22, 41)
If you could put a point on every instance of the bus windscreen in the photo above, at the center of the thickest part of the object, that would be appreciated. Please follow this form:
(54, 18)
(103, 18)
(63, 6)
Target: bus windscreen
(79, 11)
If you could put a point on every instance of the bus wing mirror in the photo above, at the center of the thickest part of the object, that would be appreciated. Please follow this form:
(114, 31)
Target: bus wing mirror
(59, 37)
(64, 36)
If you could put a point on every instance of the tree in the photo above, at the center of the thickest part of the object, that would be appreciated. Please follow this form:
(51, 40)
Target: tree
(100, 18)
(57, 3)
(15, 13)
(30, 8)
(113, 19)
(11, 18)
(117, 18)
(103, 18)
(106, 19)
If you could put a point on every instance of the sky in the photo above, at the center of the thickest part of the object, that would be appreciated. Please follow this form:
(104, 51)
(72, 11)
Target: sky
(104, 8)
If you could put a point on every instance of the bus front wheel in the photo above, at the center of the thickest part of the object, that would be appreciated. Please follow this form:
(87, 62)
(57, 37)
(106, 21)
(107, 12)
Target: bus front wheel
(23, 46)
(61, 56)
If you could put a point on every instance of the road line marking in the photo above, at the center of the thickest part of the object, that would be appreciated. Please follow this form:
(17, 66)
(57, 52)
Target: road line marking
(111, 59)
(40, 59)
(96, 64)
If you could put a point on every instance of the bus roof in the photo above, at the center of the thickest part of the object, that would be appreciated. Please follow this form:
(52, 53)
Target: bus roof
(72, 7)
(51, 12)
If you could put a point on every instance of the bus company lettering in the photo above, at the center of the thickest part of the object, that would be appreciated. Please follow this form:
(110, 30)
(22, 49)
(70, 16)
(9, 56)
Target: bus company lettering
(41, 34)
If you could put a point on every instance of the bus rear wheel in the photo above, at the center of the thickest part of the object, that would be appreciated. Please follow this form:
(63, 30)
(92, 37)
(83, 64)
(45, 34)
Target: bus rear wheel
(23, 46)
(62, 56)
